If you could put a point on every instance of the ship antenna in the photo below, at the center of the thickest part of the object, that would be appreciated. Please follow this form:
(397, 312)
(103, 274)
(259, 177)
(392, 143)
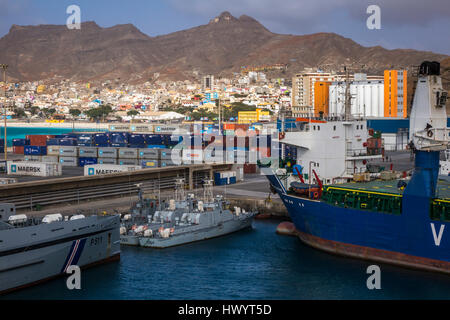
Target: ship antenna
(179, 189)
(208, 191)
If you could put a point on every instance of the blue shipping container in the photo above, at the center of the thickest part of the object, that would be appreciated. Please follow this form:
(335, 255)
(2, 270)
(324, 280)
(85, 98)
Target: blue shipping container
(35, 150)
(82, 161)
(118, 139)
(18, 142)
(101, 140)
(68, 142)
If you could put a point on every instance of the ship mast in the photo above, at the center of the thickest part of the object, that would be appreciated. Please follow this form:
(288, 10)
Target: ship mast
(347, 95)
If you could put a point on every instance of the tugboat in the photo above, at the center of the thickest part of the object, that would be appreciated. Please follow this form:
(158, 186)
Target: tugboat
(189, 220)
(33, 250)
(402, 222)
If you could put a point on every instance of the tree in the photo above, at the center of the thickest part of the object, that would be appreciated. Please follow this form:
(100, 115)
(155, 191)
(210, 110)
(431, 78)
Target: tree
(19, 113)
(75, 112)
(132, 113)
(51, 111)
(100, 112)
(34, 110)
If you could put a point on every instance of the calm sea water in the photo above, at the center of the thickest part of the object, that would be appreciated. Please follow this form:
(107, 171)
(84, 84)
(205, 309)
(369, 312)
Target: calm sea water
(251, 264)
(20, 133)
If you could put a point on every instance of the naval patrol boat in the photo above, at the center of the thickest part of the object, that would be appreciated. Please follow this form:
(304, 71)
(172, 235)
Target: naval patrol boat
(189, 220)
(33, 250)
(133, 223)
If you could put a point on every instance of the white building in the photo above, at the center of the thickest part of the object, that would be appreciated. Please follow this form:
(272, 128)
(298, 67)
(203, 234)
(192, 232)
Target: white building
(367, 98)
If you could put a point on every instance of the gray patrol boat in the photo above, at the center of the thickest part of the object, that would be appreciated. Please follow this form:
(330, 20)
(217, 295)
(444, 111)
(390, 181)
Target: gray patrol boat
(187, 220)
(134, 222)
(33, 250)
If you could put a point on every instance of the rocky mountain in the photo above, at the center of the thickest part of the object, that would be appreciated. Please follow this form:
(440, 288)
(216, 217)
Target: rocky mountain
(222, 46)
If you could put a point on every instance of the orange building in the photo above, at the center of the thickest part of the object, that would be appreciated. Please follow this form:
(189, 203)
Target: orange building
(395, 90)
(321, 97)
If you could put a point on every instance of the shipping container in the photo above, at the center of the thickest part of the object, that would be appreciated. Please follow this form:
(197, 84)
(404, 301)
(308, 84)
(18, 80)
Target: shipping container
(211, 156)
(166, 163)
(32, 158)
(149, 163)
(69, 142)
(192, 156)
(38, 139)
(97, 169)
(128, 153)
(119, 139)
(53, 142)
(49, 159)
(68, 161)
(106, 161)
(107, 152)
(128, 162)
(155, 139)
(34, 168)
(35, 150)
(85, 140)
(174, 155)
(137, 141)
(148, 153)
(165, 128)
(91, 152)
(101, 140)
(53, 150)
(141, 128)
(18, 142)
(16, 149)
(82, 161)
(119, 127)
(68, 151)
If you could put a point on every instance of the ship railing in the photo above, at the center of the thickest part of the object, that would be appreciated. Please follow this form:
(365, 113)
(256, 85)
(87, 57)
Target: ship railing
(356, 152)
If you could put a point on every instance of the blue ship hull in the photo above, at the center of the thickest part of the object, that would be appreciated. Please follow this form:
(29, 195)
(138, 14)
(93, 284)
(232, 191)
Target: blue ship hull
(410, 239)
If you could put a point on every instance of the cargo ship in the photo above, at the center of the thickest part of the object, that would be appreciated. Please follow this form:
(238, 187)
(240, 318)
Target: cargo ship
(403, 222)
(33, 250)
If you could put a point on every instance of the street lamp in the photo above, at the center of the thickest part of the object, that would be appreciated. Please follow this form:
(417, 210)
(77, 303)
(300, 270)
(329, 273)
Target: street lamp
(4, 67)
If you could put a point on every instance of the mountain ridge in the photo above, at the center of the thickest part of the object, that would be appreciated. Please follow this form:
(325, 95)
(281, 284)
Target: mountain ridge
(221, 47)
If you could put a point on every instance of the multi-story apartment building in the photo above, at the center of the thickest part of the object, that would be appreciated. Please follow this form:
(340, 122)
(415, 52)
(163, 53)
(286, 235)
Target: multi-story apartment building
(395, 93)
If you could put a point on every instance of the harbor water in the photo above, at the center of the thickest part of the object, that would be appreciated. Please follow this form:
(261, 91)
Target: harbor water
(251, 264)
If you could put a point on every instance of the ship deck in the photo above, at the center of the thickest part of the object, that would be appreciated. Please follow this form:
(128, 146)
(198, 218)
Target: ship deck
(389, 188)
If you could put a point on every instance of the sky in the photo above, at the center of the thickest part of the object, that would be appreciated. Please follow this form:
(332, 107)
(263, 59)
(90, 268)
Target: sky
(411, 24)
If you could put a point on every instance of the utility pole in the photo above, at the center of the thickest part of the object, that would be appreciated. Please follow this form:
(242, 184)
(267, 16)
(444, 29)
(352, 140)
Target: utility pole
(4, 67)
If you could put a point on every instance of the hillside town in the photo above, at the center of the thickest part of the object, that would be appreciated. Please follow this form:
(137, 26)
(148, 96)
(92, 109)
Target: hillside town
(248, 97)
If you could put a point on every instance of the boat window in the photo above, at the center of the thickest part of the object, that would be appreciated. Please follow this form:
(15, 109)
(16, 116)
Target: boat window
(318, 127)
(314, 127)
(362, 127)
(334, 128)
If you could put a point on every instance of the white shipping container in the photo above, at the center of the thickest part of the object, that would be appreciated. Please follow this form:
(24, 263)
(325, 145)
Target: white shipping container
(50, 159)
(68, 161)
(119, 127)
(107, 152)
(128, 153)
(147, 128)
(192, 156)
(32, 158)
(96, 169)
(68, 151)
(88, 152)
(106, 161)
(53, 150)
(131, 162)
(34, 168)
(148, 154)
